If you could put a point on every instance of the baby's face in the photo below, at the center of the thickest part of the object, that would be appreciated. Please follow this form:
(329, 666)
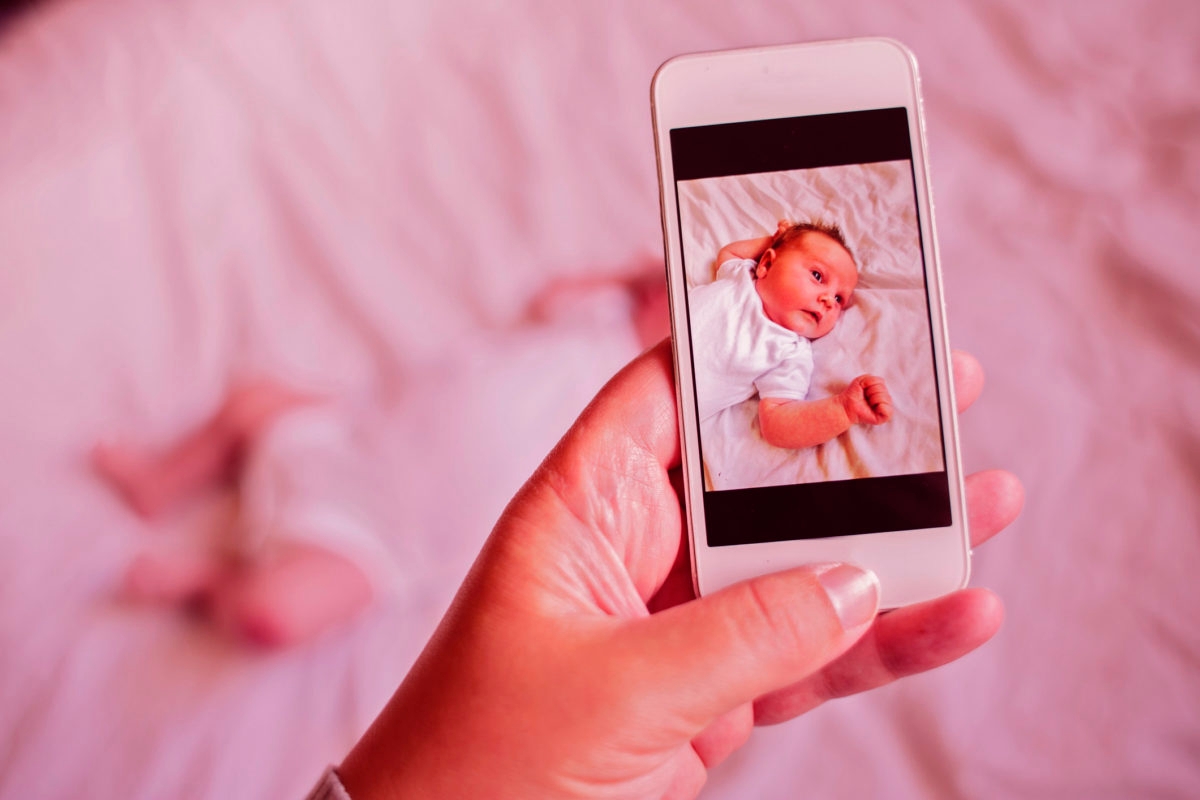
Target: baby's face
(805, 285)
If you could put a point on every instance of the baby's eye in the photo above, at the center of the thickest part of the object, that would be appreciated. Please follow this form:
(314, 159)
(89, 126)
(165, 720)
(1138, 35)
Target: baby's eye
(839, 299)
(816, 275)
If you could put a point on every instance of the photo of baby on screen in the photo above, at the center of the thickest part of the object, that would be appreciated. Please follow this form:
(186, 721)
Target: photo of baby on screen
(810, 328)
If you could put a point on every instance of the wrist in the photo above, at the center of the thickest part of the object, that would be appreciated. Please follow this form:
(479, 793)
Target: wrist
(846, 406)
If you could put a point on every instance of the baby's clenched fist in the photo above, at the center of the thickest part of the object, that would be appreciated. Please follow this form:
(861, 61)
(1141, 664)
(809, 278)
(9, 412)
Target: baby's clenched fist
(867, 400)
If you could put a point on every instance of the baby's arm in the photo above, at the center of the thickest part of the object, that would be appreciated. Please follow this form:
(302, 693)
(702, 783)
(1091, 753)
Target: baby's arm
(796, 424)
(750, 248)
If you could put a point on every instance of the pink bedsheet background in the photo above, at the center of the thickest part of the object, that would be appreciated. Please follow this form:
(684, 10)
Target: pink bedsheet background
(365, 196)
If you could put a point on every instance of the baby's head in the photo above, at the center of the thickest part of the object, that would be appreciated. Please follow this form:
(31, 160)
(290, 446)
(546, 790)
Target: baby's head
(806, 278)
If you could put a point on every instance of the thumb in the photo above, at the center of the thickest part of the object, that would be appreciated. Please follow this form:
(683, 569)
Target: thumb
(721, 651)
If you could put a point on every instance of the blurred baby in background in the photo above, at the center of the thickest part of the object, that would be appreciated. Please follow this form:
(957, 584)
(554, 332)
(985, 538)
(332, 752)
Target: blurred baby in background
(304, 551)
(299, 557)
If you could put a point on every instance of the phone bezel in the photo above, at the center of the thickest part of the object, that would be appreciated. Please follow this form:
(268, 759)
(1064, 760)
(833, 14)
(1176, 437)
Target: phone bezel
(794, 81)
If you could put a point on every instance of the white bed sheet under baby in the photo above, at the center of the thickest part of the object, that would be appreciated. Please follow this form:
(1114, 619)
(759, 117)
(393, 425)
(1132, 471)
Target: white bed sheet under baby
(885, 331)
(366, 195)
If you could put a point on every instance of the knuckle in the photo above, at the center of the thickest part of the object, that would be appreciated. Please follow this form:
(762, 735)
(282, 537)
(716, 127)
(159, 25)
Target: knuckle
(781, 622)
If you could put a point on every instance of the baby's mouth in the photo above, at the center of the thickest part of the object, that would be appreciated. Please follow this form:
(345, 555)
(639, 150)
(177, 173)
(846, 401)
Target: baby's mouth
(815, 316)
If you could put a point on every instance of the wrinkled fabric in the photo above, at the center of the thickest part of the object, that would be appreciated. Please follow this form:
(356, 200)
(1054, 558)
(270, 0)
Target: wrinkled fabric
(364, 198)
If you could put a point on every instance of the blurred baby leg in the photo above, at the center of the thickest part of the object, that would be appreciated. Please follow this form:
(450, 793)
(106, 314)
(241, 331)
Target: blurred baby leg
(310, 558)
(153, 481)
(639, 290)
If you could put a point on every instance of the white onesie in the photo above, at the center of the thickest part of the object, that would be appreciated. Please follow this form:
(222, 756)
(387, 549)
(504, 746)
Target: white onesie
(305, 479)
(736, 350)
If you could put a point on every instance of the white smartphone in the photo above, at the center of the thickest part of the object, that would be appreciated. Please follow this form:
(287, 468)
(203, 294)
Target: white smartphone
(816, 405)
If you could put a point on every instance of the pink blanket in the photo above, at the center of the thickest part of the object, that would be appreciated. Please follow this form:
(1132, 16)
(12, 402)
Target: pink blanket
(365, 197)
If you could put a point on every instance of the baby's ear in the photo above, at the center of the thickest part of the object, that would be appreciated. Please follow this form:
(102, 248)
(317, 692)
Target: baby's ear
(764, 262)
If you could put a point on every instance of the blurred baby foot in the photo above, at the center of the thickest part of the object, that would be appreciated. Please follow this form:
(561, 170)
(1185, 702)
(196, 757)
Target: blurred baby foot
(132, 474)
(160, 578)
(293, 598)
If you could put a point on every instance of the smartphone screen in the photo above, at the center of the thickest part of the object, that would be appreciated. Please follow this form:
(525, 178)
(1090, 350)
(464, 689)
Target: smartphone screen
(850, 175)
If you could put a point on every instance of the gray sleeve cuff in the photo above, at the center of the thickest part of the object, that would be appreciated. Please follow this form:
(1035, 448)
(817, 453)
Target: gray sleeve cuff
(329, 788)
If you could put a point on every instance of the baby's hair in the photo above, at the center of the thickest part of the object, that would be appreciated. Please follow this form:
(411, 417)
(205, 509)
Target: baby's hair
(796, 230)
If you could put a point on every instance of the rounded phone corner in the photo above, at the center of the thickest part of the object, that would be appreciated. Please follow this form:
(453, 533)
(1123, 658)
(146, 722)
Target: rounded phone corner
(663, 72)
(903, 49)
(965, 579)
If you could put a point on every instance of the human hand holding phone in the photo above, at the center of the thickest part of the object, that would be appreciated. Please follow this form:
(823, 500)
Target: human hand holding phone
(577, 662)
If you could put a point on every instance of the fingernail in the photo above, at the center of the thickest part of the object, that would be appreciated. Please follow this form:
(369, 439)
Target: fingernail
(854, 593)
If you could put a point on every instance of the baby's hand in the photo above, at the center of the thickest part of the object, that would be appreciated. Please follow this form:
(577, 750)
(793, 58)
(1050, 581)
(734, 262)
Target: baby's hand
(783, 225)
(866, 400)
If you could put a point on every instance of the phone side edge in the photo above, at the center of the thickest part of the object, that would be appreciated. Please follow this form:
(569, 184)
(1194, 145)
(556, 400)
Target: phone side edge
(666, 178)
(942, 329)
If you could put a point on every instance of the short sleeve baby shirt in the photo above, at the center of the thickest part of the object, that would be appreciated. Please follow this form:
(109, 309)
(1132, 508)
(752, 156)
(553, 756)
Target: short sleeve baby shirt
(736, 350)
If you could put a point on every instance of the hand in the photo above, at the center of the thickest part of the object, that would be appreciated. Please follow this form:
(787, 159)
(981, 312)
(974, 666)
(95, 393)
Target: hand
(783, 226)
(575, 661)
(866, 400)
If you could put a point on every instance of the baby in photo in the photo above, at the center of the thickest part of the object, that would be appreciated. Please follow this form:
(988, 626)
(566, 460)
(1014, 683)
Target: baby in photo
(753, 327)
